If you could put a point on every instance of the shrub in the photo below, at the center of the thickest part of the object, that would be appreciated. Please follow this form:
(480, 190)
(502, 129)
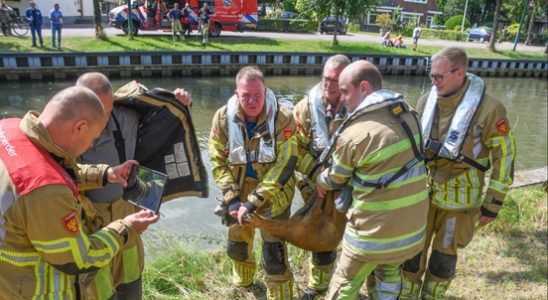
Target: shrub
(384, 21)
(295, 25)
(353, 27)
(444, 34)
(455, 21)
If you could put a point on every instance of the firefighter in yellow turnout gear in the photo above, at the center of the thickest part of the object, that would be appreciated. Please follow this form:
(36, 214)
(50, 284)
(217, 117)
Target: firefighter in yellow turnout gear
(459, 149)
(254, 154)
(43, 246)
(386, 203)
(317, 116)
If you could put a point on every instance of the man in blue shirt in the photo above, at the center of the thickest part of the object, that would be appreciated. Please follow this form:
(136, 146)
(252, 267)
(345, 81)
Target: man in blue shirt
(174, 16)
(34, 16)
(56, 20)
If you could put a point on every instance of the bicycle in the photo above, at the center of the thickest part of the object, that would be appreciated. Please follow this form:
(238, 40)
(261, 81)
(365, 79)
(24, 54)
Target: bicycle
(14, 24)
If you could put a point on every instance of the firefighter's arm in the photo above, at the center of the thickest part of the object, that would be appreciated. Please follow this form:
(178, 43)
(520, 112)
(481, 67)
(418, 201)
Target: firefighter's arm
(301, 115)
(281, 171)
(502, 147)
(54, 227)
(91, 176)
(342, 167)
(218, 145)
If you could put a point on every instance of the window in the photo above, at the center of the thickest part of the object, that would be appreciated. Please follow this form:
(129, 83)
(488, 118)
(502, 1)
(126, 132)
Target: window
(428, 21)
(417, 1)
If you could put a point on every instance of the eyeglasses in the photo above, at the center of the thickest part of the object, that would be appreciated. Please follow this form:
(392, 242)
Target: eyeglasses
(439, 77)
(330, 80)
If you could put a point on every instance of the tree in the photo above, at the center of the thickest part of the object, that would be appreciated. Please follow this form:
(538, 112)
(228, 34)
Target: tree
(495, 27)
(99, 32)
(473, 13)
(397, 19)
(529, 39)
(351, 9)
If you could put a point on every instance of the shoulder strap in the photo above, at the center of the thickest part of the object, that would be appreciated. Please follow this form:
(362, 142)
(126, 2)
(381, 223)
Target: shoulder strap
(119, 141)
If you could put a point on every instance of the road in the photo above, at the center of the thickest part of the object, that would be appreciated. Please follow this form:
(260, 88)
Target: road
(89, 31)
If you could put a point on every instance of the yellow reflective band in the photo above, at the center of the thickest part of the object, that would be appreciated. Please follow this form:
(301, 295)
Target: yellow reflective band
(340, 169)
(390, 204)
(19, 259)
(389, 151)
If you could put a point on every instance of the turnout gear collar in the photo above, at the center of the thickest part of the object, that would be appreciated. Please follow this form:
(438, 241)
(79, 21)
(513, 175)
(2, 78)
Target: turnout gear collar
(237, 154)
(318, 116)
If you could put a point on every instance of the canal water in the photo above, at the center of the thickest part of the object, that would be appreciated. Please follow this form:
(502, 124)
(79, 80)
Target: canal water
(192, 218)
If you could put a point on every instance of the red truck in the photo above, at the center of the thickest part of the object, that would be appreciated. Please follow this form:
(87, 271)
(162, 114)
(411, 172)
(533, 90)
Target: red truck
(233, 15)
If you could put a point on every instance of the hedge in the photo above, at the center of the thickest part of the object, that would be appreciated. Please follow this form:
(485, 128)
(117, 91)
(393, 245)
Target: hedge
(295, 25)
(444, 35)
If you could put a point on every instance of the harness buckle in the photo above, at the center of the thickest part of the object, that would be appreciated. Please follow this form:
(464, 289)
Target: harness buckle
(432, 145)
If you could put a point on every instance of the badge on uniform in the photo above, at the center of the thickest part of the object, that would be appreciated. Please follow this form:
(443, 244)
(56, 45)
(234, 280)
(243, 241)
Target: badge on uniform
(70, 223)
(288, 133)
(502, 127)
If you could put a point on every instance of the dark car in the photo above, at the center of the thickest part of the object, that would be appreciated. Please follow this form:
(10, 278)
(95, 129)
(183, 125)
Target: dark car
(288, 15)
(330, 24)
(480, 34)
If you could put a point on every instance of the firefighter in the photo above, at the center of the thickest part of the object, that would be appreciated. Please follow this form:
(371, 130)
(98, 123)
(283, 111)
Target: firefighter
(123, 276)
(43, 246)
(387, 203)
(317, 116)
(254, 153)
(462, 128)
(203, 23)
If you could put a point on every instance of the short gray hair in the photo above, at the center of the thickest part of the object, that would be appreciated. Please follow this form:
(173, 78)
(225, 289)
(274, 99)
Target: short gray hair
(76, 102)
(249, 73)
(95, 81)
(336, 61)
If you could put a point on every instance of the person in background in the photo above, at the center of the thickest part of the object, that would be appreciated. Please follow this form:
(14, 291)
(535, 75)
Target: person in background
(187, 11)
(466, 133)
(5, 17)
(387, 40)
(56, 20)
(398, 42)
(34, 17)
(174, 16)
(254, 154)
(203, 23)
(416, 34)
(376, 159)
(43, 243)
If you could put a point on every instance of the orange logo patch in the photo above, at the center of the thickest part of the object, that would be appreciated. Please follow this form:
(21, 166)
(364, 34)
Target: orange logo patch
(70, 223)
(288, 133)
(502, 126)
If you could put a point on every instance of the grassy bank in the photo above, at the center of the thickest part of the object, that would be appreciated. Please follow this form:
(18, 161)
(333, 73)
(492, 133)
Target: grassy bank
(165, 43)
(506, 260)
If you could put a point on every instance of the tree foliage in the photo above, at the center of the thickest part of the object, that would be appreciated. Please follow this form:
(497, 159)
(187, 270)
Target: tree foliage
(456, 21)
(397, 19)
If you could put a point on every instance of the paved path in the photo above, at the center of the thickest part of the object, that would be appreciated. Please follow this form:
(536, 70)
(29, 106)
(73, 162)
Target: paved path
(89, 30)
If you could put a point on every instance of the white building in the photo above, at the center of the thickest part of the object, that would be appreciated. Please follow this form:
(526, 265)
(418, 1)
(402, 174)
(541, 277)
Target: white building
(72, 10)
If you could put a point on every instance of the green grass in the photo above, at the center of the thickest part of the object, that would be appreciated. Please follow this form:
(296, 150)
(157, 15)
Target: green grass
(165, 43)
(507, 259)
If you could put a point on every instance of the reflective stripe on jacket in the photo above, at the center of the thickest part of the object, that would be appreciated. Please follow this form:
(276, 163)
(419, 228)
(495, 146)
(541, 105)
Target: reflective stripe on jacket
(456, 185)
(385, 225)
(42, 243)
(276, 182)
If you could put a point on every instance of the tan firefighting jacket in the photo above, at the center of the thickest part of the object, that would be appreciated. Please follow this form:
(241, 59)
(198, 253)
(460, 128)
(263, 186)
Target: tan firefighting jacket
(385, 225)
(275, 181)
(305, 133)
(457, 185)
(43, 245)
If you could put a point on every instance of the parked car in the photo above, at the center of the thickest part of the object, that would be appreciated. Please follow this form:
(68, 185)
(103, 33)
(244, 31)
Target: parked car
(480, 34)
(288, 15)
(330, 24)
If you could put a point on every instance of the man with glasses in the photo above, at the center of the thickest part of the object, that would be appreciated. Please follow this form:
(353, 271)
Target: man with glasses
(466, 132)
(317, 117)
(254, 154)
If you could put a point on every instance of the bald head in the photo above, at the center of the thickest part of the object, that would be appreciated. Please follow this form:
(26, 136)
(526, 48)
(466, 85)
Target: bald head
(73, 103)
(357, 81)
(100, 85)
(362, 70)
(73, 118)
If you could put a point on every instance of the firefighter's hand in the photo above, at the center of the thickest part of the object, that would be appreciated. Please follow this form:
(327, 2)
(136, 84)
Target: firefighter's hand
(321, 191)
(120, 173)
(142, 219)
(183, 96)
(242, 212)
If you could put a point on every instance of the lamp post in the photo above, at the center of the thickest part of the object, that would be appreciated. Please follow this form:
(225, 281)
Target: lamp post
(464, 16)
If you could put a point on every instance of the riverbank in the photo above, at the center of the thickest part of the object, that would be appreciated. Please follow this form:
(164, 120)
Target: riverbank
(13, 45)
(506, 260)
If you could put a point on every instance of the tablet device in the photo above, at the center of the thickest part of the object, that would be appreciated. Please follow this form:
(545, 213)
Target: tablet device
(145, 188)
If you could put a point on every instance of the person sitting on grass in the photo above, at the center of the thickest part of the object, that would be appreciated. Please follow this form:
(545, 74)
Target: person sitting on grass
(398, 42)
(386, 40)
